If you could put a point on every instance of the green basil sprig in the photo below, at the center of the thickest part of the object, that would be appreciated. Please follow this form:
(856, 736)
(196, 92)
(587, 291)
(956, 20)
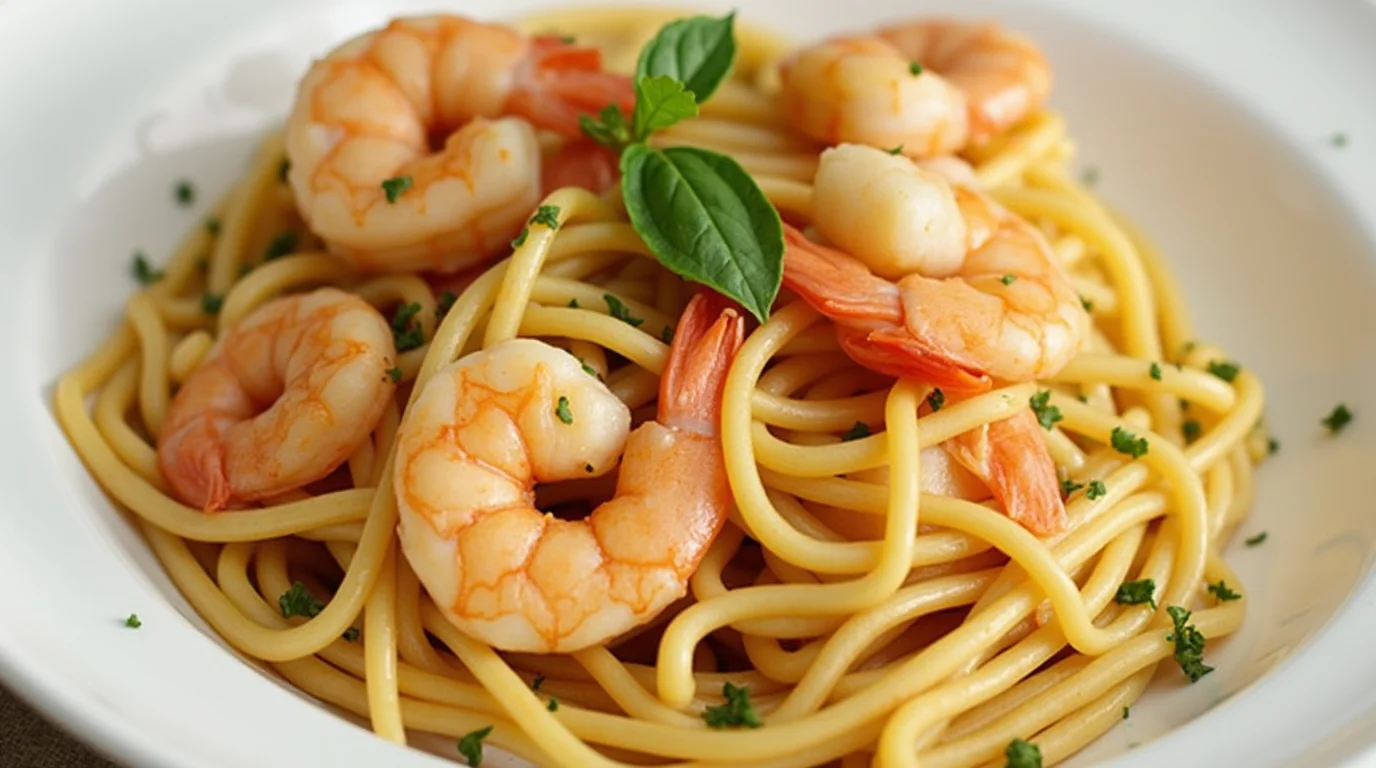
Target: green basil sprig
(699, 211)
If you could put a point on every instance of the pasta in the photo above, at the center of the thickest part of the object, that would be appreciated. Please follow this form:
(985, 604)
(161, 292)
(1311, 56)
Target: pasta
(868, 620)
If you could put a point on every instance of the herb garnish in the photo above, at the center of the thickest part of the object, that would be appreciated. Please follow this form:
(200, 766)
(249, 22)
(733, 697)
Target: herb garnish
(562, 410)
(133, 622)
(445, 303)
(1224, 369)
(143, 272)
(213, 227)
(471, 746)
(1070, 486)
(1189, 644)
(620, 311)
(186, 194)
(395, 187)
(282, 245)
(737, 710)
(1223, 593)
(1124, 441)
(1047, 414)
(914, 68)
(211, 302)
(1339, 418)
(935, 399)
(667, 335)
(1338, 140)
(1096, 490)
(1140, 592)
(298, 601)
(1256, 540)
(1008, 279)
(394, 374)
(898, 150)
(1022, 754)
(406, 331)
(546, 215)
(700, 212)
(1155, 371)
(1190, 429)
(283, 168)
(861, 429)
(350, 634)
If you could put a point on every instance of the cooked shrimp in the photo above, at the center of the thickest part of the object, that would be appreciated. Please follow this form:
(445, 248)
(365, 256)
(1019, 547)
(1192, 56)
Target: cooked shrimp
(487, 428)
(369, 111)
(283, 399)
(929, 87)
(1011, 458)
(980, 296)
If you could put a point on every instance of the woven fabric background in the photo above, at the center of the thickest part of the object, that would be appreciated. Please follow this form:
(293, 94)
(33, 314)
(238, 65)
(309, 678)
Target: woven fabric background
(29, 741)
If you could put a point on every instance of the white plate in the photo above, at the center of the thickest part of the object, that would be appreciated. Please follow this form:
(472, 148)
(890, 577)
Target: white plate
(1210, 123)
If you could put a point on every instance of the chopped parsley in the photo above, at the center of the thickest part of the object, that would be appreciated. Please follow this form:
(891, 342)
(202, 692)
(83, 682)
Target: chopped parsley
(1272, 445)
(1125, 712)
(935, 399)
(537, 682)
(1140, 592)
(1047, 414)
(898, 150)
(1155, 371)
(213, 227)
(351, 634)
(298, 601)
(1089, 176)
(562, 410)
(211, 302)
(1339, 418)
(282, 245)
(737, 711)
(1087, 304)
(185, 193)
(1070, 486)
(1191, 430)
(620, 311)
(667, 335)
(283, 168)
(394, 374)
(1223, 593)
(445, 304)
(1022, 754)
(1189, 644)
(1257, 540)
(395, 187)
(553, 704)
(471, 746)
(1008, 279)
(547, 215)
(861, 429)
(573, 304)
(1338, 140)
(143, 271)
(133, 622)
(1125, 442)
(1096, 490)
(914, 68)
(1224, 369)
(588, 369)
(406, 331)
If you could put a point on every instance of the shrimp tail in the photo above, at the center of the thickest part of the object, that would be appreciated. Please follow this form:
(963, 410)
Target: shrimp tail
(1011, 457)
(710, 332)
(199, 473)
(899, 353)
(568, 83)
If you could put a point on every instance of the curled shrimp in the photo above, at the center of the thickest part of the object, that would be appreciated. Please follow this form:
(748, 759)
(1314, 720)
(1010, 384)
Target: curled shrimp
(977, 297)
(487, 428)
(929, 87)
(367, 114)
(287, 394)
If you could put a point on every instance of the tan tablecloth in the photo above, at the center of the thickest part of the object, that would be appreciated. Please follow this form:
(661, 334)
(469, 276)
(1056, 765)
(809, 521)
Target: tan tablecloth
(28, 741)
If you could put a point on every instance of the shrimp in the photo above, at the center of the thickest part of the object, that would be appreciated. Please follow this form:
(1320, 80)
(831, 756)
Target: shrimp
(927, 87)
(484, 430)
(283, 399)
(369, 111)
(978, 296)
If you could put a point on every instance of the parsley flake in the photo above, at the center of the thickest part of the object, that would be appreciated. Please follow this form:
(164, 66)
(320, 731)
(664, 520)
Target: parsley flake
(935, 399)
(914, 68)
(898, 150)
(282, 245)
(406, 331)
(1190, 429)
(298, 601)
(1125, 442)
(547, 215)
(395, 187)
(667, 335)
(1189, 644)
(520, 239)
(737, 710)
(471, 746)
(562, 410)
(573, 304)
(350, 634)
(1224, 369)
(133, 622)
(1008, 279)
(283, 168)
(1047, 414)
(588, 369)
(1087, 304)
(1125, 712)
(211, 302)
(861, 429)
(143, 272)
(620, 311)
(213, 227)
(1096, 490)
(1339, 418)
(1155, 371)
(537, 682)
(445, 303)
(553, 704)
(394, 374)
(1272, 445)
(1022, 754)
(186, 194)
(1338, 140)
(1257, 540)
(1140, 592)
(1223, 593)
(1070, 486)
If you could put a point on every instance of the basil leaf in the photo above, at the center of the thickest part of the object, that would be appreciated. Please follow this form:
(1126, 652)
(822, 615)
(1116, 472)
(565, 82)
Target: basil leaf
(608, 129)
(706, 220)
(660, 102)
(697, 51)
